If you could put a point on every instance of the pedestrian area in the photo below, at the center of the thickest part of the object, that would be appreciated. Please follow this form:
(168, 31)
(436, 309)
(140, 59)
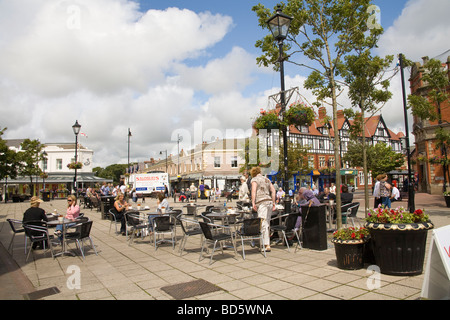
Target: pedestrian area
(139, 272)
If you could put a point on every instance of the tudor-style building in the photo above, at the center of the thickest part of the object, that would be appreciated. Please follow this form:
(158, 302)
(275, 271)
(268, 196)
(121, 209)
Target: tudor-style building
(319, 136)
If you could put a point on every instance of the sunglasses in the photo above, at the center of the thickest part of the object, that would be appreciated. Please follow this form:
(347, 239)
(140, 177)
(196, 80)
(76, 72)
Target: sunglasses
(68, 200)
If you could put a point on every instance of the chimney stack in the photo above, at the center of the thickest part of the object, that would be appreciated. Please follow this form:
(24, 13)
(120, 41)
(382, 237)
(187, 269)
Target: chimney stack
(322, 113)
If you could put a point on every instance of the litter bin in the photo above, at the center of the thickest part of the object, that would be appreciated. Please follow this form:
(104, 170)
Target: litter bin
(314, 227)
(46, 195)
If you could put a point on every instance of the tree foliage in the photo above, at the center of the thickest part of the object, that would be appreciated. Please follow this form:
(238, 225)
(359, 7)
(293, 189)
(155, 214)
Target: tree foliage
(380, 157)
(113, 171)
(29, 158)
(324, 32)
(9, 164)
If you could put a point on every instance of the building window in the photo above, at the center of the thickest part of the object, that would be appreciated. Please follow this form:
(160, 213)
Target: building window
(234, 162)
(361, 178)
(45, 164)
(321, 144)
(58, 164)
(322, 163)
(311, 161)
(331, 163)
(216, 162)
(304, 129)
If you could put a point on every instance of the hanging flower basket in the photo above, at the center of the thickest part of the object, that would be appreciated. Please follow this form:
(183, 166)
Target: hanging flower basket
(300, 115)
(267, 120)
(75, 165)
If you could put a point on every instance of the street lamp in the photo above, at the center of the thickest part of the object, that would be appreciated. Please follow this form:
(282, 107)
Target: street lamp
(161, 152)
(411, 203)
(76, 130)
(128, 163)
(44, 163)
(279, 26)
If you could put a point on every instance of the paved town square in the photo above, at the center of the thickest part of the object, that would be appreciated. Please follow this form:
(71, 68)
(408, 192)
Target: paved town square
(138, 272)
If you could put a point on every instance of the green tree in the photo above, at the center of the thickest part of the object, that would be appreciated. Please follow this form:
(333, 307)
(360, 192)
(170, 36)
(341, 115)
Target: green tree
(296, 155)
(113, 171)
(29, 158)
(430, 106)
(8, 160)
(368, 89)
(380, 158)
(323, 31)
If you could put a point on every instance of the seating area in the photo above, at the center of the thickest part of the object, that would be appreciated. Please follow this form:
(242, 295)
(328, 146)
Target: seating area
(200, 226)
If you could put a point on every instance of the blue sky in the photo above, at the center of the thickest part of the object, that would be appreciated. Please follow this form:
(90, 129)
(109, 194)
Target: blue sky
(190, 69)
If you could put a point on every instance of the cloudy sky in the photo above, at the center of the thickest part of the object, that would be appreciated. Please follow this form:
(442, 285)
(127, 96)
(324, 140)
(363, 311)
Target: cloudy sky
(162, 68)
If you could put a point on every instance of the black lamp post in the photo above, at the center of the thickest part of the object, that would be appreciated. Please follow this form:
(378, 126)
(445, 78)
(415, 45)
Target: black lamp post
(76, 130)
(161, 152)
(279, 26)
(128, 163)
(411, 202)
(44, 163)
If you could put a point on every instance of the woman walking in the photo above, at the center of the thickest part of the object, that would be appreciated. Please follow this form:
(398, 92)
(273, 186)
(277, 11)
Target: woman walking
(263, 202)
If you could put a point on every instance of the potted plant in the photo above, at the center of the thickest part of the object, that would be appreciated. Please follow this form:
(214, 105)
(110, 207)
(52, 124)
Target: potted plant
(398, 239)
(349, 244)
(75, 165)
(299, 114)
(447, 198)
(267, 120)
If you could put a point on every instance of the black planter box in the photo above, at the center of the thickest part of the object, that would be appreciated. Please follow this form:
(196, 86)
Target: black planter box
(314, 227)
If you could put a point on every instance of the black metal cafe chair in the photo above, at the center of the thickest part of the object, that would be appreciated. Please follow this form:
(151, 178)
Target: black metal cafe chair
(83, 232)
(214, 238)
(16, 227)
(251, 230)
(288, 226)
(162, 225)
(37, 232)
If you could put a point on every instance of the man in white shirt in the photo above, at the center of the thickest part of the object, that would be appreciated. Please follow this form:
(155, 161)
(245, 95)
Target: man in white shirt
(395, 195)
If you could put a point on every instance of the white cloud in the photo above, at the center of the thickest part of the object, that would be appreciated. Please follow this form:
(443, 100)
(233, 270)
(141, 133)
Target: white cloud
(103, 45)
(111, 67)
(421, 30)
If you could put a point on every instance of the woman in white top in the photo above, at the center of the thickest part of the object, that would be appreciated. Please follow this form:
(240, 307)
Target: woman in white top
(162, 202)
(243, 190)
(263, 202)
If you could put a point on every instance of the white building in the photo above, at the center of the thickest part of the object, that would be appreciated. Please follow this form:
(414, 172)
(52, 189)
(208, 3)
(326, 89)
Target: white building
(57, 177)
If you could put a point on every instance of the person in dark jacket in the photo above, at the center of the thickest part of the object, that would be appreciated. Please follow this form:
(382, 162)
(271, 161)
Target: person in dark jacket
(346, 197)
(34, 213)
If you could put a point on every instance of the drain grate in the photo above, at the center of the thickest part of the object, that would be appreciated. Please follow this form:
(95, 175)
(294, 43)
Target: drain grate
(190, 289)
(36, 295)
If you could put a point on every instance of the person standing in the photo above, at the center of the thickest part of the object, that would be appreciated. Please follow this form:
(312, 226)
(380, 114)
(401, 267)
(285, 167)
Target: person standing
(120, 207)
(202, 191)
(385, 191)
(243, 190)
(263, 202)
(376, 192)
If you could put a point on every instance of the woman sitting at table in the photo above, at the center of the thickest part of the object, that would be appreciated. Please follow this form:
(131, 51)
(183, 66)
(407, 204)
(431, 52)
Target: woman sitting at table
(73, 211)
(163, 205)
(120, 207)
(34, 213)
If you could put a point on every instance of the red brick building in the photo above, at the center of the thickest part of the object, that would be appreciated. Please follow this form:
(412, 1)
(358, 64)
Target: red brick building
(430, 174)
